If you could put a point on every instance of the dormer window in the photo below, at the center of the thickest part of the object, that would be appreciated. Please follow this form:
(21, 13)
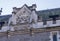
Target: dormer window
(44, 22)
(54, 21)
(54, 18)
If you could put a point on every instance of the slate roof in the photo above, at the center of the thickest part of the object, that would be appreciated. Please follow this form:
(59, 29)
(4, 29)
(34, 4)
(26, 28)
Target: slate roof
(43, 13)
(46, 13)
(4, 18)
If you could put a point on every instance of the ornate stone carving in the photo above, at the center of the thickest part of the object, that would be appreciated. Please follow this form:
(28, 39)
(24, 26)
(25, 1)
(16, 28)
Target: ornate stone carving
(23, 19)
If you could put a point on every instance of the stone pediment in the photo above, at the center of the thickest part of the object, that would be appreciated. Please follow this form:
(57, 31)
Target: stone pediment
(23, 15)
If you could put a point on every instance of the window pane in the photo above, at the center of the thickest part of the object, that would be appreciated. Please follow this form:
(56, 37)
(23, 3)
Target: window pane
(54, 37)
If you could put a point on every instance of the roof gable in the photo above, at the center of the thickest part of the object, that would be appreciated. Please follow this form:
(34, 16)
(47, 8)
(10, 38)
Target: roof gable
(23, 9)
(26, 7)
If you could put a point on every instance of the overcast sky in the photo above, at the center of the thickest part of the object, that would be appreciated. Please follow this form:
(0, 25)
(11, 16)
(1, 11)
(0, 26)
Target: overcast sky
(7, 5)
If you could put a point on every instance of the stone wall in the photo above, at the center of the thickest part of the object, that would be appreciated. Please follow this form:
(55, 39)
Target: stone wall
(28, 35)
(25, 37)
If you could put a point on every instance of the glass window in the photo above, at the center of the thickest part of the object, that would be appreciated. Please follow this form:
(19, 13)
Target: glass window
(55, 37)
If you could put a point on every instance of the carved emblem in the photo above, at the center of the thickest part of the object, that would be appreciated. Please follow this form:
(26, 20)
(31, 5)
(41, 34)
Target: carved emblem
(23, 19)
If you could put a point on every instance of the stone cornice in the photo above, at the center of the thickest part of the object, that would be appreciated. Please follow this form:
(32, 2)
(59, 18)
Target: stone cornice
(27, 31)
(37, 30)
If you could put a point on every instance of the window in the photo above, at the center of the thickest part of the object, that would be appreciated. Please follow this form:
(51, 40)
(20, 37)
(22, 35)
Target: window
(54, 18)
(54, 21)
(24, 11)
(44, 22)
(55, 37)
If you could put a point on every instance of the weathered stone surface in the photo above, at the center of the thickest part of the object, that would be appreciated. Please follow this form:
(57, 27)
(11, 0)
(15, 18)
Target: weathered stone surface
(26, 37)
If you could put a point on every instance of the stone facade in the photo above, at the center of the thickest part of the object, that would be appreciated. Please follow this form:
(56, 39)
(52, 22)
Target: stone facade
(25, 25)
(27, 35)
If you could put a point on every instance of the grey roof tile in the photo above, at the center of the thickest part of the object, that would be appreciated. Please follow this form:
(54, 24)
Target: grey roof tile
(5, 18)
(43, 13)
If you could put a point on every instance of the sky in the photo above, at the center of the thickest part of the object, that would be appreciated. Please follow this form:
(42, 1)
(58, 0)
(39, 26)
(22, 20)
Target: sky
(7, 5)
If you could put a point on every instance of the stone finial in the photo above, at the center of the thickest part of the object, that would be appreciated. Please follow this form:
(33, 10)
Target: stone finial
(14, 7)
(0, 11)
(14, 10)
(34, 6)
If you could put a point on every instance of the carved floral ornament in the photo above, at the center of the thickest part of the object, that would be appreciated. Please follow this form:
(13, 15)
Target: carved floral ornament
(22, 19)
